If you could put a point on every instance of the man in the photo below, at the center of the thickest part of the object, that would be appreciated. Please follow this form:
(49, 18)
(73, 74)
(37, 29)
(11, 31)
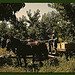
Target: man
(54, 37)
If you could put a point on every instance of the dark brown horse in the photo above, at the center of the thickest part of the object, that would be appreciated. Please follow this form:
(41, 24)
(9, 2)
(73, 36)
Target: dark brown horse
(22, 49)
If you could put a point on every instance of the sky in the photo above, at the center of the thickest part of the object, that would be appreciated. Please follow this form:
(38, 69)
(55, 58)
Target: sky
(43, 7)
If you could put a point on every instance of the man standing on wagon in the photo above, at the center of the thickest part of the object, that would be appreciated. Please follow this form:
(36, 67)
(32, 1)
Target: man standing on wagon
(55, 39)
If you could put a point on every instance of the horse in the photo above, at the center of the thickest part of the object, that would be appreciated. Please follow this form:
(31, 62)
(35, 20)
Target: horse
(21, 49)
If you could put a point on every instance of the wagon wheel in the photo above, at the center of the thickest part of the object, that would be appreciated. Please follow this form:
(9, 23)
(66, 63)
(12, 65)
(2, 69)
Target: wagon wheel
(54, 51)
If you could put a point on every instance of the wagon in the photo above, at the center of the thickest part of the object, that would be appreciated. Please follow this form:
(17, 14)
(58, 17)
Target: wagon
(65, 47)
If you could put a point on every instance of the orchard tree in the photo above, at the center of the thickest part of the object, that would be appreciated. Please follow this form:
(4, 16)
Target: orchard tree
(8, 10)
(18, 29)
(33, 24)
(3, 28)
(48, 23)
(67, 11)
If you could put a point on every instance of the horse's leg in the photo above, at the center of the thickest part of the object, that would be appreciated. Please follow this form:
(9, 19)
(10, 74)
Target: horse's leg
(25, 60)
(45, 52)
(41, 64)
(40, 58)
(33, 59)
(20, 63)
(17, 57)
(17, 61)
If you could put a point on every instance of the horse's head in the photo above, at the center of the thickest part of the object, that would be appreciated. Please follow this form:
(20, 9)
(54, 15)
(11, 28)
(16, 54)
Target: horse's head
(8, 44)
(3, 41)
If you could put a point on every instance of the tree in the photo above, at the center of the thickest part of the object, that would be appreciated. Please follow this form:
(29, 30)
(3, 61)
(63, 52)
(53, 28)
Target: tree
(49, 21)
(8, 10)
(18, 29)
(33, 23)
(67, 11)
(3, 28)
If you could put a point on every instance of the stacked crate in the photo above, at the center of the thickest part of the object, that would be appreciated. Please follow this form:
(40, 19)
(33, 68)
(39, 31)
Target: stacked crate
(61, 46)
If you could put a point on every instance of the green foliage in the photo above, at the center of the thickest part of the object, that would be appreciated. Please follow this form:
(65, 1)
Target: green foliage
(64, 66)
(33, 24)
(18, 29)
(62, 22)
(67, 11)
(40, 29)
(3, 28)
(8, 10)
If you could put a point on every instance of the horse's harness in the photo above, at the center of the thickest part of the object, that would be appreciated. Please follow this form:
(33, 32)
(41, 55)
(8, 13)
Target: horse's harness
(37, 43)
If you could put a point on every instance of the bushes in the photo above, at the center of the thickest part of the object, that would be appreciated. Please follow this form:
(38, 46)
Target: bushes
(64, 66)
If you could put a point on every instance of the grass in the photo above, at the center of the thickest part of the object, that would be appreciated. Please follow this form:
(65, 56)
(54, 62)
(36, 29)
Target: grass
(64, 66)
(48, 65)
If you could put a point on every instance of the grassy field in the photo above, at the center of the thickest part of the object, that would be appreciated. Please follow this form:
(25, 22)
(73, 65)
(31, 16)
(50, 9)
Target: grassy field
(62, 65)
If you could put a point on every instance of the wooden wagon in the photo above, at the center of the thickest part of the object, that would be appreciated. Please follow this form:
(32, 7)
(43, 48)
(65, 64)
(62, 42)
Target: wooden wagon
(65, 47)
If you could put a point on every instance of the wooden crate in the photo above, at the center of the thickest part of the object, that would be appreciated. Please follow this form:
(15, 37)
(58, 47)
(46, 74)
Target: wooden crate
(65, 46)
(61, 45)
